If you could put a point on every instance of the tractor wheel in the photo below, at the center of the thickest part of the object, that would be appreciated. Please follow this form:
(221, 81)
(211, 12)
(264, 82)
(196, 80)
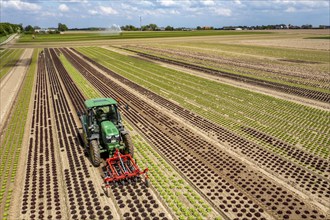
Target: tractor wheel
(95, 153)
(128, 144)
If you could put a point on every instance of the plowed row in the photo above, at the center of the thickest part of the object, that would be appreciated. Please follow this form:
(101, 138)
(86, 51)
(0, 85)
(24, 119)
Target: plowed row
(133, 201)
(228, 183)
(52, 191)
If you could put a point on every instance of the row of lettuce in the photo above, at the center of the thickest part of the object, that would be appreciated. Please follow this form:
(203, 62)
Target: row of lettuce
(12, 137)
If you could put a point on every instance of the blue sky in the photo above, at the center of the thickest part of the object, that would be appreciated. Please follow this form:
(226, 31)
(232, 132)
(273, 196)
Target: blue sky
(177, 13)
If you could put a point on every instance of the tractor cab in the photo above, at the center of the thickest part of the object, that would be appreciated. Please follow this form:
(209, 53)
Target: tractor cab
(103, 132)
(103, 129)
(108, 112)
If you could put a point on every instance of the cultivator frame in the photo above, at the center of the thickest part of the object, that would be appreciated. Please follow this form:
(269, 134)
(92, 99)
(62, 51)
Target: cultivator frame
(122, 167)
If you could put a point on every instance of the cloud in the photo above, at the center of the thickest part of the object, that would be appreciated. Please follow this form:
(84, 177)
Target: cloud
(102, 10)
(19, 5)
(290, 9)
(92, 12)
(174, 12)
(167, 3)
(223, 12)
(208, 2)
(145, 3)
(50, 14)
(63, 8)
(107, 10)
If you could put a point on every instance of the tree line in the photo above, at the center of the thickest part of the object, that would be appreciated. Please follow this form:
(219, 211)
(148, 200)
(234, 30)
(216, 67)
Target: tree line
(148, 27)
(8, 28)
(29, 29)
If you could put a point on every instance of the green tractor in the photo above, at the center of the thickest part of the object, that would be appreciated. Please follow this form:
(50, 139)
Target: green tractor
(103, 131)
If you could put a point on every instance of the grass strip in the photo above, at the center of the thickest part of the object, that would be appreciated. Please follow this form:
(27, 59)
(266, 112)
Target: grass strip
(128, 35)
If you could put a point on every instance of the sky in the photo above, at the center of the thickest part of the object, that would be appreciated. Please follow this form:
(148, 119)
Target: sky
(176, 13)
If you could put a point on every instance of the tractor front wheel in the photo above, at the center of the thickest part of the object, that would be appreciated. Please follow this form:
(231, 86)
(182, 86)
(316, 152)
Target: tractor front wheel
(128, 144)
(95, 153)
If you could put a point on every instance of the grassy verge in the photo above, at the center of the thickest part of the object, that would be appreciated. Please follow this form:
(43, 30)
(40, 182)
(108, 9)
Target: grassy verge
(228, 106)
(176, 192)
(320, 37)
(12, 139)
(3, 38)
(128, 35)
(8, 60)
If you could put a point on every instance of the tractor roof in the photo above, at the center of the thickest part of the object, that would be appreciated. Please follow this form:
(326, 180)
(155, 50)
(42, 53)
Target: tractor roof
(90, 103)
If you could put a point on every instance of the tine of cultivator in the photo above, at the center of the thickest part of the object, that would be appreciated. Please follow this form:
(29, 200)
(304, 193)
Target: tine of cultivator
(121, 168)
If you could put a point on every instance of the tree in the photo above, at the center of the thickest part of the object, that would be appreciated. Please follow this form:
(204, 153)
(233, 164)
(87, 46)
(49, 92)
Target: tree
(62, 27)
(199, 28)
(3, 31)
(169, 28)
(128, 28)
(153, 27)
(29, 28)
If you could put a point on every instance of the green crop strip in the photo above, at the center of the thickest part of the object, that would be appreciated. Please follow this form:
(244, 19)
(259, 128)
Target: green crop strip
(174, 191)
(312, 83)
(84, 86)
(228, 106)
(169, 185)
(320, 37)
(8, 60)
(128, 35)
(284, 53)
(11, 143)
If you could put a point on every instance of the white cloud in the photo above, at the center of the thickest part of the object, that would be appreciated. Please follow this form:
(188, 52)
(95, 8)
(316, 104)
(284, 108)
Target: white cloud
(290, 9)
(102, 10)
(315, 4)
(50, 14)
(145, 3)
(237, 2)
(208, 2)
(19, 5)
(128, 7)
(107, 10)
(63, 8)
(174, 12)
(222, 11)
(92, 12)
(167, 2)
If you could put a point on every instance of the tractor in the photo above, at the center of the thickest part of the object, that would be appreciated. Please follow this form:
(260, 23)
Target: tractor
(104, 133)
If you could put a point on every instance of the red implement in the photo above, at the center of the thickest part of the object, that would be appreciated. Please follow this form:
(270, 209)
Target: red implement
(122, 167)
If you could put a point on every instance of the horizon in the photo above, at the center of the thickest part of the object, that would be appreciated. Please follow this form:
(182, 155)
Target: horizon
(183, 13)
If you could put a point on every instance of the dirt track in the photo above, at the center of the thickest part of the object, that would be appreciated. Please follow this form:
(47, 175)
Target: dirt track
(10, 85)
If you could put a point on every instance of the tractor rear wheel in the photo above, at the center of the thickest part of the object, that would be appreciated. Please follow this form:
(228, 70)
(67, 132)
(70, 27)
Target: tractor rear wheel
(95, 153)
(128, 144)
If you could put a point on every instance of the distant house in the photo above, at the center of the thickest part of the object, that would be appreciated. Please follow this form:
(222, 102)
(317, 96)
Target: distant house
(238, 29)
(45, 30)
(52, 29)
